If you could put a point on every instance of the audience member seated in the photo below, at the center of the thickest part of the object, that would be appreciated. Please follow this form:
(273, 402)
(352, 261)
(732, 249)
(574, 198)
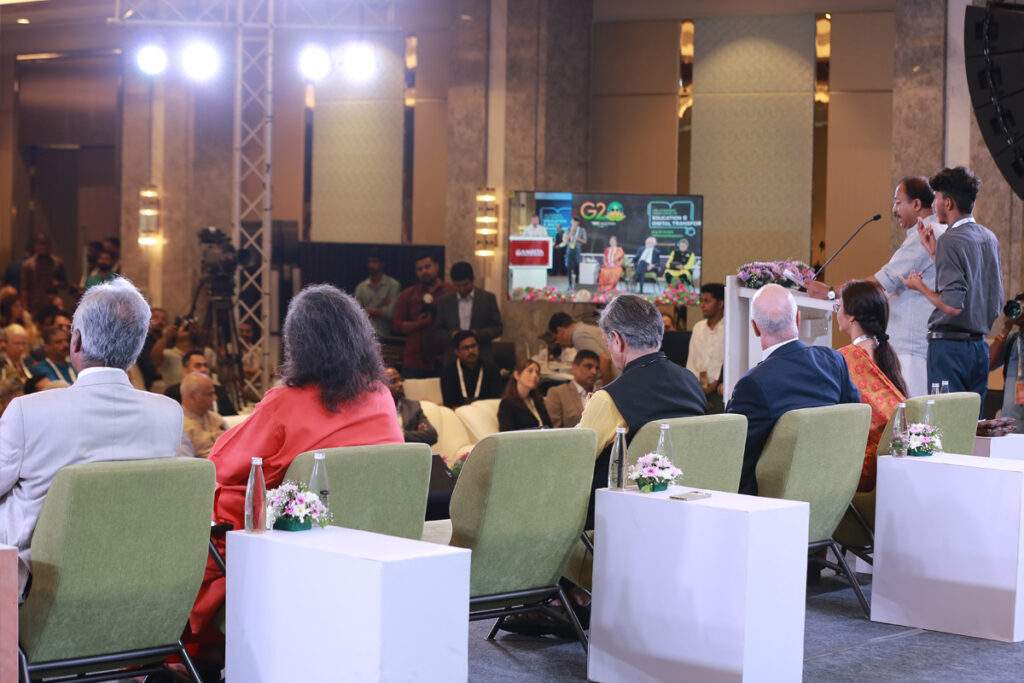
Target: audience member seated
(54, 366)
(611, 268)
(680, 264)
(415, 425)
(647, 260)
(565, 402)
(203, 426)
(553, 352)
(651, 387)
(522, 406)
(468, 308)
(100, 418)
(19, 364)
(13, 313)
(874, 367)
(326, 399)
(791, 375)
(195, 361)
(707, 344)
(570, 333)
(469, 377)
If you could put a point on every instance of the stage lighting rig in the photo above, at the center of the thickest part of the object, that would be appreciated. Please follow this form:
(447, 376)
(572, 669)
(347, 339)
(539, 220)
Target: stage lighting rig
(200, 61)
(314, 62)
(152, 59)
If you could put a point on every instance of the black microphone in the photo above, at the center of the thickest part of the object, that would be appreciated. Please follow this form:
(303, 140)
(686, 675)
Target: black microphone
(876, 217)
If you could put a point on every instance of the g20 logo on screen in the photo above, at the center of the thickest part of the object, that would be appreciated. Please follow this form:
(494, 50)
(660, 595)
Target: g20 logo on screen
(600, 211)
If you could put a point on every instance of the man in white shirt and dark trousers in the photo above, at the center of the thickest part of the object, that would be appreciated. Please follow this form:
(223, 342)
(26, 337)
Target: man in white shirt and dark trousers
(707, 344)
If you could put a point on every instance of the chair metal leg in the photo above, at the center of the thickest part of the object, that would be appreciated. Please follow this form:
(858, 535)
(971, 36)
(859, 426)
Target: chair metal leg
(23, 666)
(586, 541)
(192, 671)
(580, 634)
(497, 626)
(852, 578)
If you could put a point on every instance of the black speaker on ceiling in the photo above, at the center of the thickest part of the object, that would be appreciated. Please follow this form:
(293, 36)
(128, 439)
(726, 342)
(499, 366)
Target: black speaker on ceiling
(994, 60)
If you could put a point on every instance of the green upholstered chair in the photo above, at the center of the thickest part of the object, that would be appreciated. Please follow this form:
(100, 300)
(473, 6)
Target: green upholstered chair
(957, 418)
(709, 451)
(374, 488)
(816, 455)
(118, 555)
(519, 504)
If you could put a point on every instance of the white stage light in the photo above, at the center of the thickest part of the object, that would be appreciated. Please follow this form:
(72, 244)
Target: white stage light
(152, 59)
(359, 61)
(314, 62)
(200, 61)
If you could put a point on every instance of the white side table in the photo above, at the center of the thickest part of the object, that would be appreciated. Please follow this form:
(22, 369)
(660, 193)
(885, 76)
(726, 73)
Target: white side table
(948, 551)
(8, 613)
(1009, 446)
(338, 604)
(713, 589)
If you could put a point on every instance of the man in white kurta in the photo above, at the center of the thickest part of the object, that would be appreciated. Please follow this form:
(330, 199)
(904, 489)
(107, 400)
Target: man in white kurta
(707, 344)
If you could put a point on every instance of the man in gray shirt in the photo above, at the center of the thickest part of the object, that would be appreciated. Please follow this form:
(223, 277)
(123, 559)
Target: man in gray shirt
(968, 291)
(378, 293)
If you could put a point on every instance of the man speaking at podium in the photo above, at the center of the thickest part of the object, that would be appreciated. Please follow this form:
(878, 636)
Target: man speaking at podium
(908, 309)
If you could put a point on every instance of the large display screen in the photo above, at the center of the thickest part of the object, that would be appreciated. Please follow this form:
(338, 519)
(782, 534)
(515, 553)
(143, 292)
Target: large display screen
(593, 246)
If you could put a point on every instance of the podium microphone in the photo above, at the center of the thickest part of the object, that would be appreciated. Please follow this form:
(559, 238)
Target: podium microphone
(876, 217)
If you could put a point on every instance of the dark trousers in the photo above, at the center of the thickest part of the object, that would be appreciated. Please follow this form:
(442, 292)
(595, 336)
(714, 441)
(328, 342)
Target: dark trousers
(641, 273)
(964, 364)
(572, 264)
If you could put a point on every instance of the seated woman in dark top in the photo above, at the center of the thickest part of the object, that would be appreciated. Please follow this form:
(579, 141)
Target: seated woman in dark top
(522, 406)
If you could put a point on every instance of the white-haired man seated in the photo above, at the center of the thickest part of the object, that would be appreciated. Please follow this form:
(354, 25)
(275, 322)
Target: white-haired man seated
(791, 375)
(101, 417)
(202, 423)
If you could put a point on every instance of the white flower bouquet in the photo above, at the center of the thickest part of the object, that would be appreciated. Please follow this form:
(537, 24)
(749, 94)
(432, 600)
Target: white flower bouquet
(293, 506)
(653, 472)
(919, 439)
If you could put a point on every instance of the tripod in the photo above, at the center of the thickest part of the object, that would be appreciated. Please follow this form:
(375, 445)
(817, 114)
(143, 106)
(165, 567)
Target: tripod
(219, 321)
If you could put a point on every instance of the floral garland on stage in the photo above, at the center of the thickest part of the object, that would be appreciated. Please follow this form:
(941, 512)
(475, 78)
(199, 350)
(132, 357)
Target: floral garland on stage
(790, 274)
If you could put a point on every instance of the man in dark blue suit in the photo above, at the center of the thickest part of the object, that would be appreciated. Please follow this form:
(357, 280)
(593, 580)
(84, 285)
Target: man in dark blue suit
(647, 260)
(791, 375)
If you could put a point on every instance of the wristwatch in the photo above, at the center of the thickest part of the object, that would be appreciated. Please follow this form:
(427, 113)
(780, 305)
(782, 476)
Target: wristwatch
(831, 294)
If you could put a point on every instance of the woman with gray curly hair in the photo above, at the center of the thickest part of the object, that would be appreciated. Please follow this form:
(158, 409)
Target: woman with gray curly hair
(332, 394)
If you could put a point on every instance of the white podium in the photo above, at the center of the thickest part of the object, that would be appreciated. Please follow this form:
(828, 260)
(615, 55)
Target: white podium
(1009, 446)
(705, 590)
(948, 551)
(742, 348)
(338, 604)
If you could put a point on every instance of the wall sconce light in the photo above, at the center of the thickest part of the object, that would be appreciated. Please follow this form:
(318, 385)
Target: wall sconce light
(486, 222)
(149, 215)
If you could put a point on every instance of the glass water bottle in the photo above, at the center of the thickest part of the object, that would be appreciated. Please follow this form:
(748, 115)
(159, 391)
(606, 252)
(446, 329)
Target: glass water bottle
(665, 444)
(899, 430)
(256, 499)
(929, 413)
(318, 480)
(617, 464)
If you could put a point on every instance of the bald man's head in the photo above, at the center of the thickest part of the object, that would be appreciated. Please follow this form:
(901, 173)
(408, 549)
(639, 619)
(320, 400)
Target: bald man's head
(197, 393)
(774, 315)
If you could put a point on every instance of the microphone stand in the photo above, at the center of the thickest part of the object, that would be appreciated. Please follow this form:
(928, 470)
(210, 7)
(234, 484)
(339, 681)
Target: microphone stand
(876, 217)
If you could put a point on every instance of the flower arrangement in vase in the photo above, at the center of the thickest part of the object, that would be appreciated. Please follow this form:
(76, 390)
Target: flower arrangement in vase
(653, 472)
(293, 507)
(920, 439)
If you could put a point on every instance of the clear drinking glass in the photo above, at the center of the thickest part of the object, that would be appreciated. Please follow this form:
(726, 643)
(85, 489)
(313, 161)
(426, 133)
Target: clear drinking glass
(935, 388)
(944, 389)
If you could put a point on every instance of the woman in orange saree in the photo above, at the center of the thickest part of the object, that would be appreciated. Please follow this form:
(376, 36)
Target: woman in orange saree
(863, 313)
(611, 271)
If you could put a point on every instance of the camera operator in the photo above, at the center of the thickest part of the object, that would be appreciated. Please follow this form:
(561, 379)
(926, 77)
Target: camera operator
(1006, 351)
(169, 350)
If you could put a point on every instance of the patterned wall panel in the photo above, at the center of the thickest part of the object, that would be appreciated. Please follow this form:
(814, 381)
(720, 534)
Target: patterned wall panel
(357, 152)
(752, 149)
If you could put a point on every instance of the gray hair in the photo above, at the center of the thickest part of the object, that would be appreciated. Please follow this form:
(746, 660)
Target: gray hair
(112, 319)
(773, 308)
(636, 319)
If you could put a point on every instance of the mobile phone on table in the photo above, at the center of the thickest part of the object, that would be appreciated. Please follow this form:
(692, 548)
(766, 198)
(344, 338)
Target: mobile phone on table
(690, 495)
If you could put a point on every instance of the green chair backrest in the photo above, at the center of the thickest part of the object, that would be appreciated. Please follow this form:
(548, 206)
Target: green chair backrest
(956, 415)
(520, 504)
(816, 455)
(118, 555)
(708, 449)
(374, 488)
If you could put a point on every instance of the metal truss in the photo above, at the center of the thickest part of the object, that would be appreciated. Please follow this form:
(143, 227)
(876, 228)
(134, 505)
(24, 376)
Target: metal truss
(255, 23)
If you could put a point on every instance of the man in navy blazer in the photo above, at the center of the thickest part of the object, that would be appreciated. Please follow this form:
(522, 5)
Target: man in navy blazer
(791, 375)
(467, 308)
